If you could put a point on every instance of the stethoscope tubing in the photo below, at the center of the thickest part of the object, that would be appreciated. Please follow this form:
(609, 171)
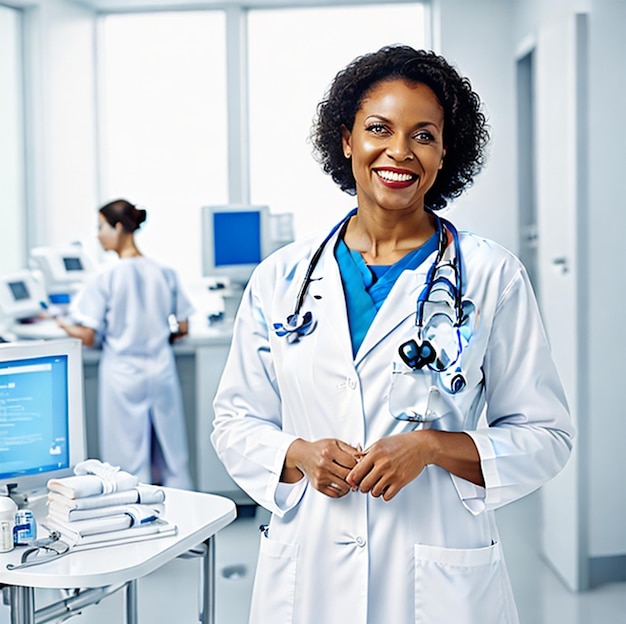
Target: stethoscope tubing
(306, 282)
(444, 225)
(412, 353)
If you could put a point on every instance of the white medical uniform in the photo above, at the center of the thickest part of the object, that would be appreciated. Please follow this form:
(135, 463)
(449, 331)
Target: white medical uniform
(431, 555)
(139, 393)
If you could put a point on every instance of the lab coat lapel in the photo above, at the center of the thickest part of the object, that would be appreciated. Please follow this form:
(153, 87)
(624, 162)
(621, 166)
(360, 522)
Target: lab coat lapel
(329, 292)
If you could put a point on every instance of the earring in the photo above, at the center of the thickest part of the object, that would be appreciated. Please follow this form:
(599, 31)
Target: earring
(348, 154)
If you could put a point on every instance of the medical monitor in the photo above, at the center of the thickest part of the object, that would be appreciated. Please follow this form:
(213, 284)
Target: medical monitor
(42, 427)
(64, 269)
(236, 237)
(21, 295)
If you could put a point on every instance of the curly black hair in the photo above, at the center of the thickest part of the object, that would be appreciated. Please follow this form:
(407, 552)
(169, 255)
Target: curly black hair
(465, 133)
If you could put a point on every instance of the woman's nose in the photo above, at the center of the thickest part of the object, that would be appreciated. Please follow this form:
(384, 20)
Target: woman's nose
(399, 148)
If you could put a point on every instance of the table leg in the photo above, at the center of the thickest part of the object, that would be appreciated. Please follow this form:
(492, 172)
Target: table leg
(22, 605)
(131, 602)
(208, 577)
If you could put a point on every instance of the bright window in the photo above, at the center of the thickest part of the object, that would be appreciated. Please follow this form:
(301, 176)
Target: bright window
(12, 204)
(163, 125)
(293, 56)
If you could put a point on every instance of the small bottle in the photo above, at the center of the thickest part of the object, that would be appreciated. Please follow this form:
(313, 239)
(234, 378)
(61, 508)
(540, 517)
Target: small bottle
(8, 507)
(6, 536)
(25, 530)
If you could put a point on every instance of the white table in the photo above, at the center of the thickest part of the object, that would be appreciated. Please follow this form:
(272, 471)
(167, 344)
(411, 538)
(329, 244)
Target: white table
(198, 516)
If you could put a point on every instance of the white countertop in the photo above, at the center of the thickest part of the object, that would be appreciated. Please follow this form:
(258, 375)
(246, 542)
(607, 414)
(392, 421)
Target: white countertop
(197, 515)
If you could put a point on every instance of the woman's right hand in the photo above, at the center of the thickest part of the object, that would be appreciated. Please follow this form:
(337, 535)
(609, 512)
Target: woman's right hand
(325, 463)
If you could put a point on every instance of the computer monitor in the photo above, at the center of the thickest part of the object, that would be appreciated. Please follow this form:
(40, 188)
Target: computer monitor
(236, 237)
(64, 269)
(21, 296)
(42, 426)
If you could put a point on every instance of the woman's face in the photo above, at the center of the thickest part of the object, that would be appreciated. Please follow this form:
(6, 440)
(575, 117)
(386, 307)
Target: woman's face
(107, 234)
(396, 146)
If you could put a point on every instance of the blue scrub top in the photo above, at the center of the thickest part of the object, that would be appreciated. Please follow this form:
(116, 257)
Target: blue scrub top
(366, 286)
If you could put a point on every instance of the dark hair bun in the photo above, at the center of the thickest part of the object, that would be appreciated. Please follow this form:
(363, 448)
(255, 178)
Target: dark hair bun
(122, 211)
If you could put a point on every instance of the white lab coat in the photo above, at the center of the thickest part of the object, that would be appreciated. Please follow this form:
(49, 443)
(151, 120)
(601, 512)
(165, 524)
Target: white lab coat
(432, 554)
(139, 393)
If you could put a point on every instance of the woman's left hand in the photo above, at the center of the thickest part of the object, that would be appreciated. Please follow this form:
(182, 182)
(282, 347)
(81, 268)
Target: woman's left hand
(389, 464)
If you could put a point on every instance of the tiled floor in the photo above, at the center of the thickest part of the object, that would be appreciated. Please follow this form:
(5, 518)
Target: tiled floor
(171, 595)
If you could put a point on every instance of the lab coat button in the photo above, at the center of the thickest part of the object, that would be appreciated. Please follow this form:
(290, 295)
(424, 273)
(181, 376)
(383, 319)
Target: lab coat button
(351, 383)
(360, 541)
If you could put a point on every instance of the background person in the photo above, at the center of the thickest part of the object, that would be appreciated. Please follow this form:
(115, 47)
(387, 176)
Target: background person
(391, 334)
(127, 310)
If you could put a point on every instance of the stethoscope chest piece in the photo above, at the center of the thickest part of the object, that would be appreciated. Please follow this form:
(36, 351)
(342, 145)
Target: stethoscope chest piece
(417, 355)
(296, 326)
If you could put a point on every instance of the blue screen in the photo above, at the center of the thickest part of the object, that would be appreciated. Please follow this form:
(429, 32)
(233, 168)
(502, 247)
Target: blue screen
(19, 290)
(33, 416)
(73, 264)
(237, 238)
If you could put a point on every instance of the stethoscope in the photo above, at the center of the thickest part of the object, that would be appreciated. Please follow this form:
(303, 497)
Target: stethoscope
(298, 325)
(439, 304)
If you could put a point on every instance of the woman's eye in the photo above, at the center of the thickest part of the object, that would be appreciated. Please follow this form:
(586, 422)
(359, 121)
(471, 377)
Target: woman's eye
(376, 128)
(424, 136)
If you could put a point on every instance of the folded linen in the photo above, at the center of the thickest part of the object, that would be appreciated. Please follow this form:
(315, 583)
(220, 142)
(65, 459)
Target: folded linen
(93, 526)
(126, 516)
(90, 485)
(158, 528)
(139, 533)
(139, 513)
(144, 494)
(93, 477)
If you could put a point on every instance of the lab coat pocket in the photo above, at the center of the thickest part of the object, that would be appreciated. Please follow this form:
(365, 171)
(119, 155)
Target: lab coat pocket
(464, 586)
(276, 568)
(413, 395)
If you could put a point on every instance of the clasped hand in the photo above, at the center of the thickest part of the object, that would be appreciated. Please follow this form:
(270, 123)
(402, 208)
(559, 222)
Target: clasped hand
(335, 468)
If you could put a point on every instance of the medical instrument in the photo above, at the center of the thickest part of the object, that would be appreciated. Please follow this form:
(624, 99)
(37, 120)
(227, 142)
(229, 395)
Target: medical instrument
(41, 551)
(297, 325)
(443, 318)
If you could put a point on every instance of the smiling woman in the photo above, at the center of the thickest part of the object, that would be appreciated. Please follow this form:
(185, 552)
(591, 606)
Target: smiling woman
(410, 391)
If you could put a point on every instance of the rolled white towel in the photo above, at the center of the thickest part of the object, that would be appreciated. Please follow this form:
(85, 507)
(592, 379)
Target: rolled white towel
(113, 479)
(87, 483)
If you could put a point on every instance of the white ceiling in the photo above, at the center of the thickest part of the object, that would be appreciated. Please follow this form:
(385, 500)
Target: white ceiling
(135, 5)
(129, 5)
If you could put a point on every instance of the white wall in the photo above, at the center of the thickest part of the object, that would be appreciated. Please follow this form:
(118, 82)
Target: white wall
(607, 294)
(601, 340)
(477, 37)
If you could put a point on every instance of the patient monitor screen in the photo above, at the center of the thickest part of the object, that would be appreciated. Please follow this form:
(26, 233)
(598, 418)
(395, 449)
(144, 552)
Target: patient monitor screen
(19, 291)
(33, 416)
(73, 264)
(237, 238)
